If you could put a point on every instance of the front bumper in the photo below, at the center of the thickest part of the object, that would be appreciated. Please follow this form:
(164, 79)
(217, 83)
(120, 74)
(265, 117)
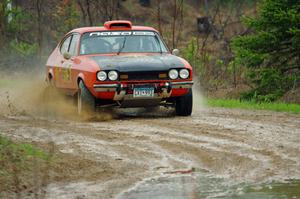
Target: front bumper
(187, 84)
(123, 92)
(119, 87)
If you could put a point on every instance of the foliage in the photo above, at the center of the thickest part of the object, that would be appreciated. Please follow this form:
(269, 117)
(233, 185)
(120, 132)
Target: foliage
(210, 68)
(66, 17)
(191, 52)
(272, 52)
(23, 49)
(271, 84)
(231, 103)
(19, 21)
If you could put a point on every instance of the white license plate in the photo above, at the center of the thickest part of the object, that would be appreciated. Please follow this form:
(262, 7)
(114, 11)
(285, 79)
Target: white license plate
(143, 92)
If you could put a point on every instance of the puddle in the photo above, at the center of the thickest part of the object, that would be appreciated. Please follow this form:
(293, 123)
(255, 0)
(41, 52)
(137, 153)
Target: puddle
(288, 189)
(206, 186)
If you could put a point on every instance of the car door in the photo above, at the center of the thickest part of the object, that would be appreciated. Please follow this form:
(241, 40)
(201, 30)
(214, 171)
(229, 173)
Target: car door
(67, 74)
(73, 64)
(59, 68)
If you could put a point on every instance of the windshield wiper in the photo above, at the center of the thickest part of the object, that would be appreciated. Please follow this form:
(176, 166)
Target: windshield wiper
(123, 45)
(158, 42)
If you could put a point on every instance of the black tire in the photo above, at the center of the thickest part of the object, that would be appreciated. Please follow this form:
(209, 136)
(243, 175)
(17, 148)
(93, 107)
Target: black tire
(86, 102)
(184, 104)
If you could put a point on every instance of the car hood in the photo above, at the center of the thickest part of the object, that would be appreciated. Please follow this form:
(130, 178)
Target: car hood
(129, 63)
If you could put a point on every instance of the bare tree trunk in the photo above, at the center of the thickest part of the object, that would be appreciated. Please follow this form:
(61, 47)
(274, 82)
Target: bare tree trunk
(111, 9)
(39, 29)
(234, 75)
(82, 11)
(89, 12)
(206, 7)
(116, 6)
(180, 21)
(158, 2)
(107, 17)
(174, 23)
(2, 22)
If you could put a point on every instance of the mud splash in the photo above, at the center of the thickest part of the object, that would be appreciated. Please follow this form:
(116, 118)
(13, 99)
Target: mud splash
(30, 95)
(198, 99)
(25, 94)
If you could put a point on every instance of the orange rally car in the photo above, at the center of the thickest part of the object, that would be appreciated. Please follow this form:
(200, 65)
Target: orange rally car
(120, 65)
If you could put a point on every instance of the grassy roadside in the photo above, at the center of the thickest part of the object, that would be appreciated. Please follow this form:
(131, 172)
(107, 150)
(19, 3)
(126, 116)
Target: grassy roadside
(275, 106)
(18, 164)
(26, 170)
(7, 147)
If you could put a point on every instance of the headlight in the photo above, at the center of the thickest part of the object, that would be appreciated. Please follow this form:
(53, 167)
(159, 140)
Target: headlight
(101, 76)
(184, 73)
(113, 75)
(173, 74)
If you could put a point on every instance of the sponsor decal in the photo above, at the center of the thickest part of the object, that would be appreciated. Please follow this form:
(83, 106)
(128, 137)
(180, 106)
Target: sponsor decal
(56, 72)
(122, 33)
(66, 73)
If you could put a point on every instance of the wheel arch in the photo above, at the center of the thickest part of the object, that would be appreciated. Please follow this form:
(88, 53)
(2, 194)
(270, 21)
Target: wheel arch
(80, 77)
(50, 75)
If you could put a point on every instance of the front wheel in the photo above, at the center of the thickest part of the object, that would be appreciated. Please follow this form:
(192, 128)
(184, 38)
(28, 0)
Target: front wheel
(85, 100)
(184, 104)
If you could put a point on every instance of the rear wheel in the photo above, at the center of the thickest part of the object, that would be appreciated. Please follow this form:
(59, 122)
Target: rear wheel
(184, 104)
(86, 102)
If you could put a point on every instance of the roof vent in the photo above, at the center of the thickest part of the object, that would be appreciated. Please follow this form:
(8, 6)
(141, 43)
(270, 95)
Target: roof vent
(120, 24)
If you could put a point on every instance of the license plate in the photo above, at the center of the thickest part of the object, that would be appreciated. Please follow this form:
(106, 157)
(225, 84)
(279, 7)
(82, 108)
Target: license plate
(143, 92)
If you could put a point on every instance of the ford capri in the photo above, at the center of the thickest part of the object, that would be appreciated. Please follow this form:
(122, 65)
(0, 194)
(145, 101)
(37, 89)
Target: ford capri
(120, 65)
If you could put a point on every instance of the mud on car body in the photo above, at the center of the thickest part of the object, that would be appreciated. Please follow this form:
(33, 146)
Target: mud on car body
(120, 65)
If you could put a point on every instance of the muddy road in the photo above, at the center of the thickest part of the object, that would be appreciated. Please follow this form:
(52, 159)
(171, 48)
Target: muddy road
(138, 153)
(153, 154)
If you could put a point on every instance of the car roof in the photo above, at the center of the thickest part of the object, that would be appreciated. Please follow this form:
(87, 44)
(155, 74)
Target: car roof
(102, 28)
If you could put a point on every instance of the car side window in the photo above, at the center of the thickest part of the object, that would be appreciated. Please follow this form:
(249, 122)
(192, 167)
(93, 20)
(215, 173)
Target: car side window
(65, 45)
(73, 45)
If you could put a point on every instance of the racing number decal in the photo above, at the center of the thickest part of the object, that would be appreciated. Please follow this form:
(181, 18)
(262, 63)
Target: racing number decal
(56, 73)
(66, 73)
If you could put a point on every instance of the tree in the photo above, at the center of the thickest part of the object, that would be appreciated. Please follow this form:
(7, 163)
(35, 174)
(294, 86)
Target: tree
(177, 21)
(272, 51)
(66, 17)
(39, 11)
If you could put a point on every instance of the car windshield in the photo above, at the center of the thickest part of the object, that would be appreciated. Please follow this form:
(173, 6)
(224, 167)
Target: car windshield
(121, 41)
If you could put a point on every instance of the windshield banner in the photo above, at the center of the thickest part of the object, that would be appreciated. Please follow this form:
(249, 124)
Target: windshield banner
(123, 33)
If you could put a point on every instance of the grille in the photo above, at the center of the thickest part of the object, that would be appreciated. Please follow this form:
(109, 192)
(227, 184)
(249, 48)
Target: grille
(144, 75)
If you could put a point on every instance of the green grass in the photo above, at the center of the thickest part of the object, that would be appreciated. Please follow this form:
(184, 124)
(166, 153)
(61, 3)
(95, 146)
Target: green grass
(22, 165)
(18, 154)
(27, 150)
(275, 106)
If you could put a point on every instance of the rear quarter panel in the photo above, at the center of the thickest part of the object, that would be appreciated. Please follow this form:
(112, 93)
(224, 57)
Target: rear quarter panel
(53, 64)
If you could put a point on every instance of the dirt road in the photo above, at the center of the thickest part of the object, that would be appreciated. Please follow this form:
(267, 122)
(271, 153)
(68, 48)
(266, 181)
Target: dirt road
(111, 158)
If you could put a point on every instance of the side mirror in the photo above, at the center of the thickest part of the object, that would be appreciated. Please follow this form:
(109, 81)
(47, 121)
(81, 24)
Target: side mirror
(67, 55)
(175, 52)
